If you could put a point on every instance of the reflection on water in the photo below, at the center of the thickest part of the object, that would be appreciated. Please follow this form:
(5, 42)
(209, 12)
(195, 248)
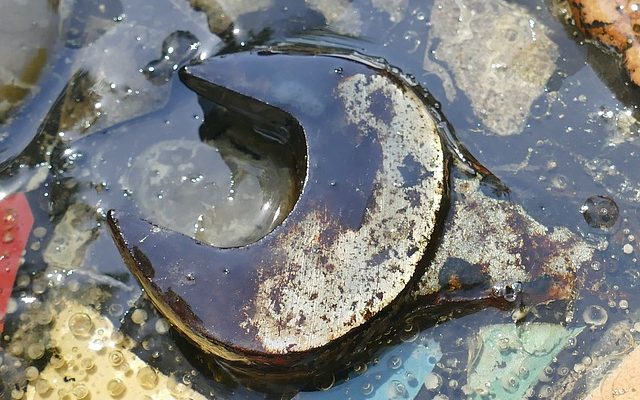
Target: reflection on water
(570, 160)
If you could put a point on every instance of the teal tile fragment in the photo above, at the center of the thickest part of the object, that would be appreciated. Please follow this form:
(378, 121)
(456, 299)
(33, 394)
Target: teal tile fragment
(399, 374)
(507, 359)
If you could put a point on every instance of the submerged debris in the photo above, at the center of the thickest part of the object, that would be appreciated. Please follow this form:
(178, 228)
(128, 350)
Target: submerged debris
(504, 244)
(341, 15)
(71, 236)
(28, 32)
(395, 8)
(500, 55)
(107, 90)
(222, 13)
(613, 24)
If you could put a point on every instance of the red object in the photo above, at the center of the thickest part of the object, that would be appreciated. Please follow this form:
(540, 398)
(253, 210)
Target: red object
(16, 221)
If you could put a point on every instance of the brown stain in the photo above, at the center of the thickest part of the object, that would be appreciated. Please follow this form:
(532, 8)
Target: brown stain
(454, 283)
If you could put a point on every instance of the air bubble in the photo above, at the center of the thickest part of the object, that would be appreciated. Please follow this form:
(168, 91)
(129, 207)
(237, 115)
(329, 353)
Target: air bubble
(39, 286)
(35, 351)
(42, 387)
(116, 358)
(116, 310)
(545, 392)
(115, 387)
(433, 381)
(523, 372)
(162, 326)
(512, 291)
(324, 382)
(504, 345)
(80, 392)
(394, 362)
(139, 316)
(97, 345)
(398, 390)
(40, 232)
(148, 344)
(360, 368)
(80, 325)
(600, 212)
(118, 338)
(147, 377)
(510, 384)
(366, 388)
(31, 373)
(595, 315)
(87, 364)
(178, 389)
(57, 361)
(412, 380)
(44, 317)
